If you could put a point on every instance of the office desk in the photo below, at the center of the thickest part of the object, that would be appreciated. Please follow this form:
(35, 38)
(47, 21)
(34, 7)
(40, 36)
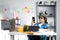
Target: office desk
(50, 34)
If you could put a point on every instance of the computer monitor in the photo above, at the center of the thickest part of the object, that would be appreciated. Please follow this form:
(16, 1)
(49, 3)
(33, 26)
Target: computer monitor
(8, 24)
(5, 24)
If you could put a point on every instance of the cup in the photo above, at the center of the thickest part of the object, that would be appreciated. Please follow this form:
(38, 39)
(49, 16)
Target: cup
(20, 29)
(41, 30)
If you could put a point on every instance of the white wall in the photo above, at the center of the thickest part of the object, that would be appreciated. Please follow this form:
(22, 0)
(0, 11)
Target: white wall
(58, 20)
(18, 5)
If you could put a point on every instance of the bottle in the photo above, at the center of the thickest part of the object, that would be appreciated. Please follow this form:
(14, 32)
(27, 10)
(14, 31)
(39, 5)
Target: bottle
(18, 21)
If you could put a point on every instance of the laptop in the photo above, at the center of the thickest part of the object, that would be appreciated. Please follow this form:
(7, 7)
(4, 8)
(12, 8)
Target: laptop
(33, 28)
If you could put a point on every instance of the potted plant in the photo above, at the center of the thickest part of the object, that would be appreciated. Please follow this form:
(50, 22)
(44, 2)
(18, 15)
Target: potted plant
(26, 27)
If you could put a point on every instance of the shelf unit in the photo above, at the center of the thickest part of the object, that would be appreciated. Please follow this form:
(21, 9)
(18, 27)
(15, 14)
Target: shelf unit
(51, 13)
(47, 5)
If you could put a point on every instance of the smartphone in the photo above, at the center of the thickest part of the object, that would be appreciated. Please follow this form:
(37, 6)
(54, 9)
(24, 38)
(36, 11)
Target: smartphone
(33, 18)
